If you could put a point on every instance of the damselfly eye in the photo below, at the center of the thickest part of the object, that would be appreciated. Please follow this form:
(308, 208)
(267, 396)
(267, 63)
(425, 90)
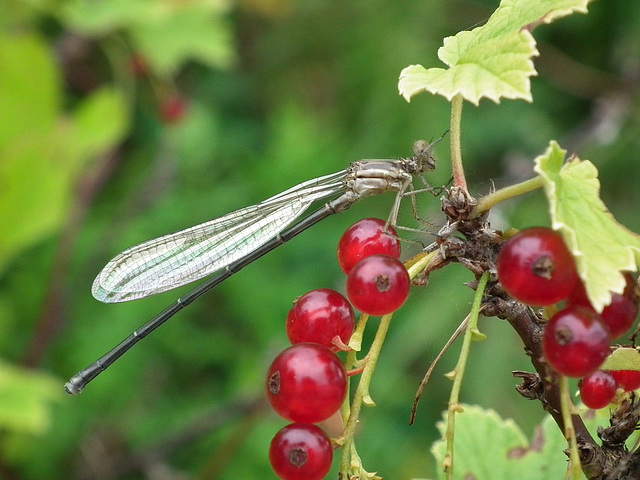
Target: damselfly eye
(420, 148)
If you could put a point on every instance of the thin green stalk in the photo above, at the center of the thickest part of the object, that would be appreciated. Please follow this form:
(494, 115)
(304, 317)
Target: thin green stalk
(418, 263)
(351, 412)
(362, 392)
(471, 333)
(575, 470)
(459, 179)
(489, 201)
(355, 342)
(345, 412)
(361, 396)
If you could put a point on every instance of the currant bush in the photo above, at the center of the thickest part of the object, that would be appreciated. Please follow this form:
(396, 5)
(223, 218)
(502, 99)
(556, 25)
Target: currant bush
(306, 383)
(576, 341)
(378, 285)
(536, 268)
(598, 389)
(365, 238)
(301, 452)
(319, 316)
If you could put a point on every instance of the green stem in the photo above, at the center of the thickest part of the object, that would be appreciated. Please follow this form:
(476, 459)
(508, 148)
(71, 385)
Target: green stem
(487, 202)
(575, 471)
(417, 264)
(362, 392)
(355, 342)
(470, 334)
(362, 395)
(350, 413)
(459, 179)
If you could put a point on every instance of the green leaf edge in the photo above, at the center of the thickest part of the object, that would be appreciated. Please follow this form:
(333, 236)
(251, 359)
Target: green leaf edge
(415, 79)
(623, 358)
(551, 163)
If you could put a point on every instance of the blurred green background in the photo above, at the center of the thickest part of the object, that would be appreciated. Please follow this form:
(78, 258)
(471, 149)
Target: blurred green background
(122, 120)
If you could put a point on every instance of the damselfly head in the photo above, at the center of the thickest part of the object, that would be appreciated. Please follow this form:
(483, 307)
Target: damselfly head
(424, 160)
(422, 154)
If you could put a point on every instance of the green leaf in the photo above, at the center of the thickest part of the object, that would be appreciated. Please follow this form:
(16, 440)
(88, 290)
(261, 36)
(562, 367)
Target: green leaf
(601, 246)
(43, 150)
(487, 447)
(492, 61)
(623, 358)
(99, 18)
(26, 399)
(166, 34)
(187, 34)
(100, 121)
(29, 87)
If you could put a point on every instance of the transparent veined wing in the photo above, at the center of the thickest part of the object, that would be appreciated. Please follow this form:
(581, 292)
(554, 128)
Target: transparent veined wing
(173, 260)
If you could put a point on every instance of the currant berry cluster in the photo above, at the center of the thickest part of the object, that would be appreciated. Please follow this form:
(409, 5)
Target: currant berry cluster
(307, 383)
(536, 268)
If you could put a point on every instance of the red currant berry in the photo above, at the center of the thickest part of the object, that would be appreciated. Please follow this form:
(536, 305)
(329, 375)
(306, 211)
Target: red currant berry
(306, 383)
(301, 452)
(173, 109)
(620, 314)
(365, 238)
(536, 268)
(628, 380)
(598, 389)
(319, 316)
(576, 341)
(378, 285)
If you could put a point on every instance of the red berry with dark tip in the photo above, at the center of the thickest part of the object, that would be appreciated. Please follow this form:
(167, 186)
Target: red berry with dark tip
(301, 452)
(598, 389)
(576, 341)
(378, 285)
(536, 268)
(306, 383)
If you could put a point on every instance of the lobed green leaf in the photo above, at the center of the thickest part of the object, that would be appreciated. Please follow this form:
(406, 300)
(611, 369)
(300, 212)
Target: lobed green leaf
(492, 61)
(602, 247)
(166, 34)
(488, 447)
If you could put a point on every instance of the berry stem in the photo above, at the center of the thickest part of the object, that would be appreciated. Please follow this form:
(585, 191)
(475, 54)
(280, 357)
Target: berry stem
(350, 413)
(575, 470)
(470, 334)
(459, 179)
(362, 391)
(355, 342)
(362, 395)
(417, 264)
(487, 202)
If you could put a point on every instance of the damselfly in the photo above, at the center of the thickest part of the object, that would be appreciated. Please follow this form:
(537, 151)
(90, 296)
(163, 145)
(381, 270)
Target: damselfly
(229, 243)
